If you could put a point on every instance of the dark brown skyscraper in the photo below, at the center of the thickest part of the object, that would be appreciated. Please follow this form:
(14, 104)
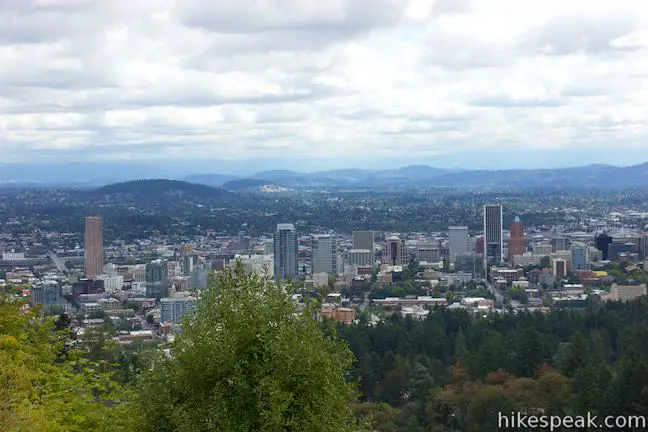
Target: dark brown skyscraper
(93, 246)
(516, 242)
(493, 237)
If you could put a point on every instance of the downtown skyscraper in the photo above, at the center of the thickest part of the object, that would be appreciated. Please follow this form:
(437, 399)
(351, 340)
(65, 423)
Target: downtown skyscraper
(93, 246)
(395, 253)
(157, 279)
(493, 234)
(580, 257)
(516, 244)
(285, 252)
(458, 241)
(324, 254)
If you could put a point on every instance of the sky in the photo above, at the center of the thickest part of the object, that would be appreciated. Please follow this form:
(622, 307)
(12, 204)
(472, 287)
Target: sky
(227, 85)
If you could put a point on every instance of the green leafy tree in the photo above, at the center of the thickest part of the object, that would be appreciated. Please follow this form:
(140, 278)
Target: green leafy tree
(47, 387)
(247, 361)
(97, 315)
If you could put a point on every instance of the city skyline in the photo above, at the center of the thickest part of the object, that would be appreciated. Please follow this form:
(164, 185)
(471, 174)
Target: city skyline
(465, 84)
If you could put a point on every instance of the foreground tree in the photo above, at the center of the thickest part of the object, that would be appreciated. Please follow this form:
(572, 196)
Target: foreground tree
(248, 361)
(46, 387)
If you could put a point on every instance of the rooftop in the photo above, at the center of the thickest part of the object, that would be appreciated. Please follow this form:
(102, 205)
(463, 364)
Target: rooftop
(286, 227)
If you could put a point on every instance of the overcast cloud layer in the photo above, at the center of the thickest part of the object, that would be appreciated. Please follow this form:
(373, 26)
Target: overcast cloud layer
(138, 79)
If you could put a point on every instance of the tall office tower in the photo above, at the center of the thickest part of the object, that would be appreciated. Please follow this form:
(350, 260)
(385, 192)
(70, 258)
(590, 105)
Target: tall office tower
(395, 252)
(603, 242)
(640, 241)
(363, 240)
(157, 279)
(93, 246)
(579, 257)
(324, 254)
(458, 241)
(516, 241)
(187, 264)
(493, 237)
(199, 275)
(285, 252)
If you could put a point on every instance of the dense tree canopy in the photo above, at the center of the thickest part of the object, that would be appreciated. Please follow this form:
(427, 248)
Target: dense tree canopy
(45, 386)
(455, 371)
(247, 361)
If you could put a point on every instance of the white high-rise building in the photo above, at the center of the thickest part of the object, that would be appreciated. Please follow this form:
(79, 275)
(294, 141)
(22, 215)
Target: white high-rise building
(324, 254)
(493, 234)
(458, 241)
(285, 251)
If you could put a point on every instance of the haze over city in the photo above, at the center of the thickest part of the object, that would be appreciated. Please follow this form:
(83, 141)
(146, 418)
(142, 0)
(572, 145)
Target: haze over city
(317, 85)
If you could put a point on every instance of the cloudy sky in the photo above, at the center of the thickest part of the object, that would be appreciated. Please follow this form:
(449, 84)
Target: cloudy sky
(313, 84)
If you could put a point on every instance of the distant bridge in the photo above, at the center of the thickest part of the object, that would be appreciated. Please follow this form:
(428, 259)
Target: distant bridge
(58, 262)
(51, 256)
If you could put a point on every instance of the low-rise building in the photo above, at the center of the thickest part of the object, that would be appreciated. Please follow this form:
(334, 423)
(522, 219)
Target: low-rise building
(528, 259)
(521, 283)
(260, 264)
(172, 310)
(416, 312)
(625, 292)
(477, 302)
(320, 279)
(360, 257)
(340, 314)
(112, 283)
(88, 308)
(109, 304)
(423, 301)
(509, 275)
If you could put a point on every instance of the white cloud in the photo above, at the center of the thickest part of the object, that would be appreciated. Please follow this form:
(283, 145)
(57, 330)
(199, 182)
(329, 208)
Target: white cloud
(338, 78)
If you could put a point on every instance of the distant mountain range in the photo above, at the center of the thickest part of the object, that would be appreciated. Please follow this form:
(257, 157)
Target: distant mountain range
(423, 176)
(420, 176)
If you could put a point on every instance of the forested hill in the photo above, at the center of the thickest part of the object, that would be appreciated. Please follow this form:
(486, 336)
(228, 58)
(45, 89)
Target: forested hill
(158, 188)
(456, 372)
